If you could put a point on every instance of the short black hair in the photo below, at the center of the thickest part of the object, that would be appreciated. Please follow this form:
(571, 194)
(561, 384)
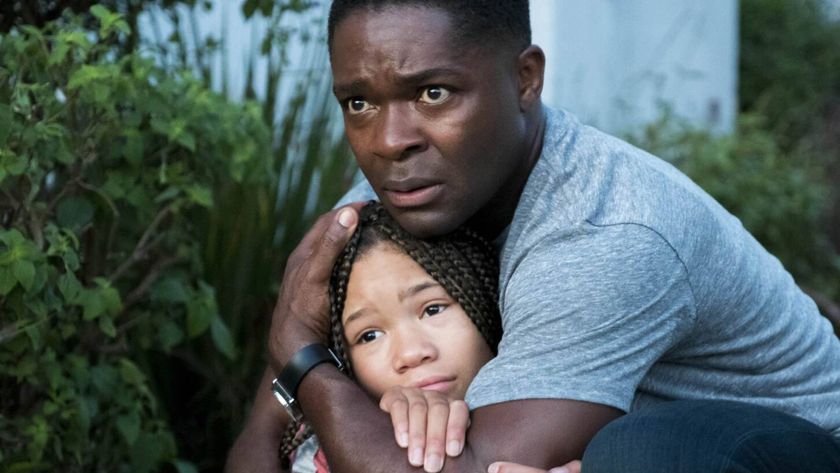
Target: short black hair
(478, 21)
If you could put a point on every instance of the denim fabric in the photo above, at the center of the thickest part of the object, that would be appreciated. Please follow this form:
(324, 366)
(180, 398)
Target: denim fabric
(711, 437)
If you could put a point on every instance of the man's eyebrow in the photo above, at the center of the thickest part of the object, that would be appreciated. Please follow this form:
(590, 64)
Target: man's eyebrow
(426, 75)
(358, 86)
(413, 290)
(354, 88)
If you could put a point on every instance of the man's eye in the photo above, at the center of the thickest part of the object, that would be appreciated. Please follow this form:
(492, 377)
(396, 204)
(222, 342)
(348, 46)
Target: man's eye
(369, 336)
(433, 309)
(434, 94)
(356, 106)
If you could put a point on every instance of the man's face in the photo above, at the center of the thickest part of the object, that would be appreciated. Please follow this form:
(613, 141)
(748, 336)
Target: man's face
(436, 126)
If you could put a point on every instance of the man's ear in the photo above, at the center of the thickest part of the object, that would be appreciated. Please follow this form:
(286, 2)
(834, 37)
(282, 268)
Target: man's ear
(531, 67)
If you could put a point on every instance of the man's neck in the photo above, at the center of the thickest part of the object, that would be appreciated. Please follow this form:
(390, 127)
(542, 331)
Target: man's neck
(497, 214)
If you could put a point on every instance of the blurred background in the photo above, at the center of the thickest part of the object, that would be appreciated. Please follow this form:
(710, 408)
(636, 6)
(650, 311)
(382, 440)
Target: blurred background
(159, 160)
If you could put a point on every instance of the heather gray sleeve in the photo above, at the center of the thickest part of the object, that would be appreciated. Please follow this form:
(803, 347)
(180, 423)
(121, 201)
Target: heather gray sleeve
(585, 315)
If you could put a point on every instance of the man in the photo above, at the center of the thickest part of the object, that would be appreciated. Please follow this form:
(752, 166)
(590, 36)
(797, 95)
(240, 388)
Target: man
(622, 286)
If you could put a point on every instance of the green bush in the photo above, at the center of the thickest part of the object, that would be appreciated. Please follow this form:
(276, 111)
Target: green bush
(110, 169)
(789, 68)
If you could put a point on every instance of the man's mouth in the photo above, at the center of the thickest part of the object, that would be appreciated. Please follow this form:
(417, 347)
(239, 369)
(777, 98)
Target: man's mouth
(412, 192)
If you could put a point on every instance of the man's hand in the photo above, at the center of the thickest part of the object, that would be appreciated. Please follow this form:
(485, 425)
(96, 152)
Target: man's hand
(506, 467)
(301, 316)
(424, 422)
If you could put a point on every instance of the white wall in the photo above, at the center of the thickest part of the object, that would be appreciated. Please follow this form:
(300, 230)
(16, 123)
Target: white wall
(615, 62)
(611, 62)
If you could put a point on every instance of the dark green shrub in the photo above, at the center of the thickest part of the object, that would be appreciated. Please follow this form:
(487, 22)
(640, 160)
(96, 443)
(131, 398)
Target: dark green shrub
(789, 65)
(110, 169)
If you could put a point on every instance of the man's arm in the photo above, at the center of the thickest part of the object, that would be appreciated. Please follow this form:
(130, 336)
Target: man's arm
(256, 449)
(540, 432)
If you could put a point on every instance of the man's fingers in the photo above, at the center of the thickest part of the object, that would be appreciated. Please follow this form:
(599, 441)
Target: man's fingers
(336, 234)
(456, 427)
(437, 421)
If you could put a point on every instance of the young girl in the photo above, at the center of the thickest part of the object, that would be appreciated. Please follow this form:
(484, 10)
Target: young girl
(407, 312)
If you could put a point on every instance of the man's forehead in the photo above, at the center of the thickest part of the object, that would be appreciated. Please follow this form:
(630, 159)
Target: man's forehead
(408, 41)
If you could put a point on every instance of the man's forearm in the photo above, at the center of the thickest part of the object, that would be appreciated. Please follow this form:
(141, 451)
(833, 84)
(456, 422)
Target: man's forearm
(358, 437)
(256, 448)
(355, 434)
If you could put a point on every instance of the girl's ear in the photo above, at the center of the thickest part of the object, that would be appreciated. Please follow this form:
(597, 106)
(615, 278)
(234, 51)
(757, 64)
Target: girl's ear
(531, 70)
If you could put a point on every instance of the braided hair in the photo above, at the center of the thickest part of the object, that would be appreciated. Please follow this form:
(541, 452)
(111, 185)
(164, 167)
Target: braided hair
(462, 262)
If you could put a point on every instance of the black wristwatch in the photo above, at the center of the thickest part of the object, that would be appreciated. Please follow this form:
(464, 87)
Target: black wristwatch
(285, 386)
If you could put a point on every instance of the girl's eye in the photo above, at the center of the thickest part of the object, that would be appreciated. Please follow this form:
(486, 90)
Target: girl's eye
(434, 94)
(369, 336)
(433, 309)
(356, 105)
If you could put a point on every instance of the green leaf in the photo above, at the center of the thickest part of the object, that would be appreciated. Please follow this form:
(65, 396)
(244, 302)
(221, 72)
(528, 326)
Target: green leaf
(130, 373)
(92, 304)
(7, 280)
(70, 287)
(58, 53)
(222, 338)
(24, 272)
(170, 335)
(187, 140)
(168, 194)
(104, 378)
(129, 426)
(85, 75)
(74, 212)
(150, 450)
(6, 116)
(201, 195)
(107, 327)
(110, 296)
(199, 317)
(12, 163)
(170, 289)
(183, 466)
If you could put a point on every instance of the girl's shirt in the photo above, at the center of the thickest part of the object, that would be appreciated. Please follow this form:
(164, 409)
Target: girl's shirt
(310, 458)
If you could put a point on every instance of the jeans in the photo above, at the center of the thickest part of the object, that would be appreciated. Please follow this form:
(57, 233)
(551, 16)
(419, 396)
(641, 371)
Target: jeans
(711, 437)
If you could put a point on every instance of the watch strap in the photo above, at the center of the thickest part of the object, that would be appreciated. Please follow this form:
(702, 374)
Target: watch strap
(302, 363)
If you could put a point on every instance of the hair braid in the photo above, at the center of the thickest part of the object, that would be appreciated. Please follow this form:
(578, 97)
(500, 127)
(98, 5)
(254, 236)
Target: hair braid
(462, 262)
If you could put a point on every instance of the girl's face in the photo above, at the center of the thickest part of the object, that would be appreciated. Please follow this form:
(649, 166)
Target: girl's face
(403, 329)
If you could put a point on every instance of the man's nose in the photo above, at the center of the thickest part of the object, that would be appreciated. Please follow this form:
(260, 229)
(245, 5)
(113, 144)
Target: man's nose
(398, 135)
(412, 349)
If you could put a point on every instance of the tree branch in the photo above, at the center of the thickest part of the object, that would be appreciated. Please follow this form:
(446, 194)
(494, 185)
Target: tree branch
(141, 247)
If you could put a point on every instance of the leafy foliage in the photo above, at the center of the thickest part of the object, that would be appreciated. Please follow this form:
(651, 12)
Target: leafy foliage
(789, 66)
(109, 171)
(143, 235)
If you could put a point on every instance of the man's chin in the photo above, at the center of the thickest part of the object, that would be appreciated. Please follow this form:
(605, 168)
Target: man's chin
(424, 223)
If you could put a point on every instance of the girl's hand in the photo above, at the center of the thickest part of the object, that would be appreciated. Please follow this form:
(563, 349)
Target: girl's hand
(427, 423)
(506, 467)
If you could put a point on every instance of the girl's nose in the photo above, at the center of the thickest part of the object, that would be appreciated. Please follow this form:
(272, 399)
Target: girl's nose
(412, 349)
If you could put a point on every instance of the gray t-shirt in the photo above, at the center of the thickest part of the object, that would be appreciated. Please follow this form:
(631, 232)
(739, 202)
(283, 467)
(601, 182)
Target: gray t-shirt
(623, 283)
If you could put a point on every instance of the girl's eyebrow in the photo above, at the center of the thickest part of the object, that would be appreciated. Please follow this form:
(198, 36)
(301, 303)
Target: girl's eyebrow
(404, 294)
(413, 290)
(354, 316)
